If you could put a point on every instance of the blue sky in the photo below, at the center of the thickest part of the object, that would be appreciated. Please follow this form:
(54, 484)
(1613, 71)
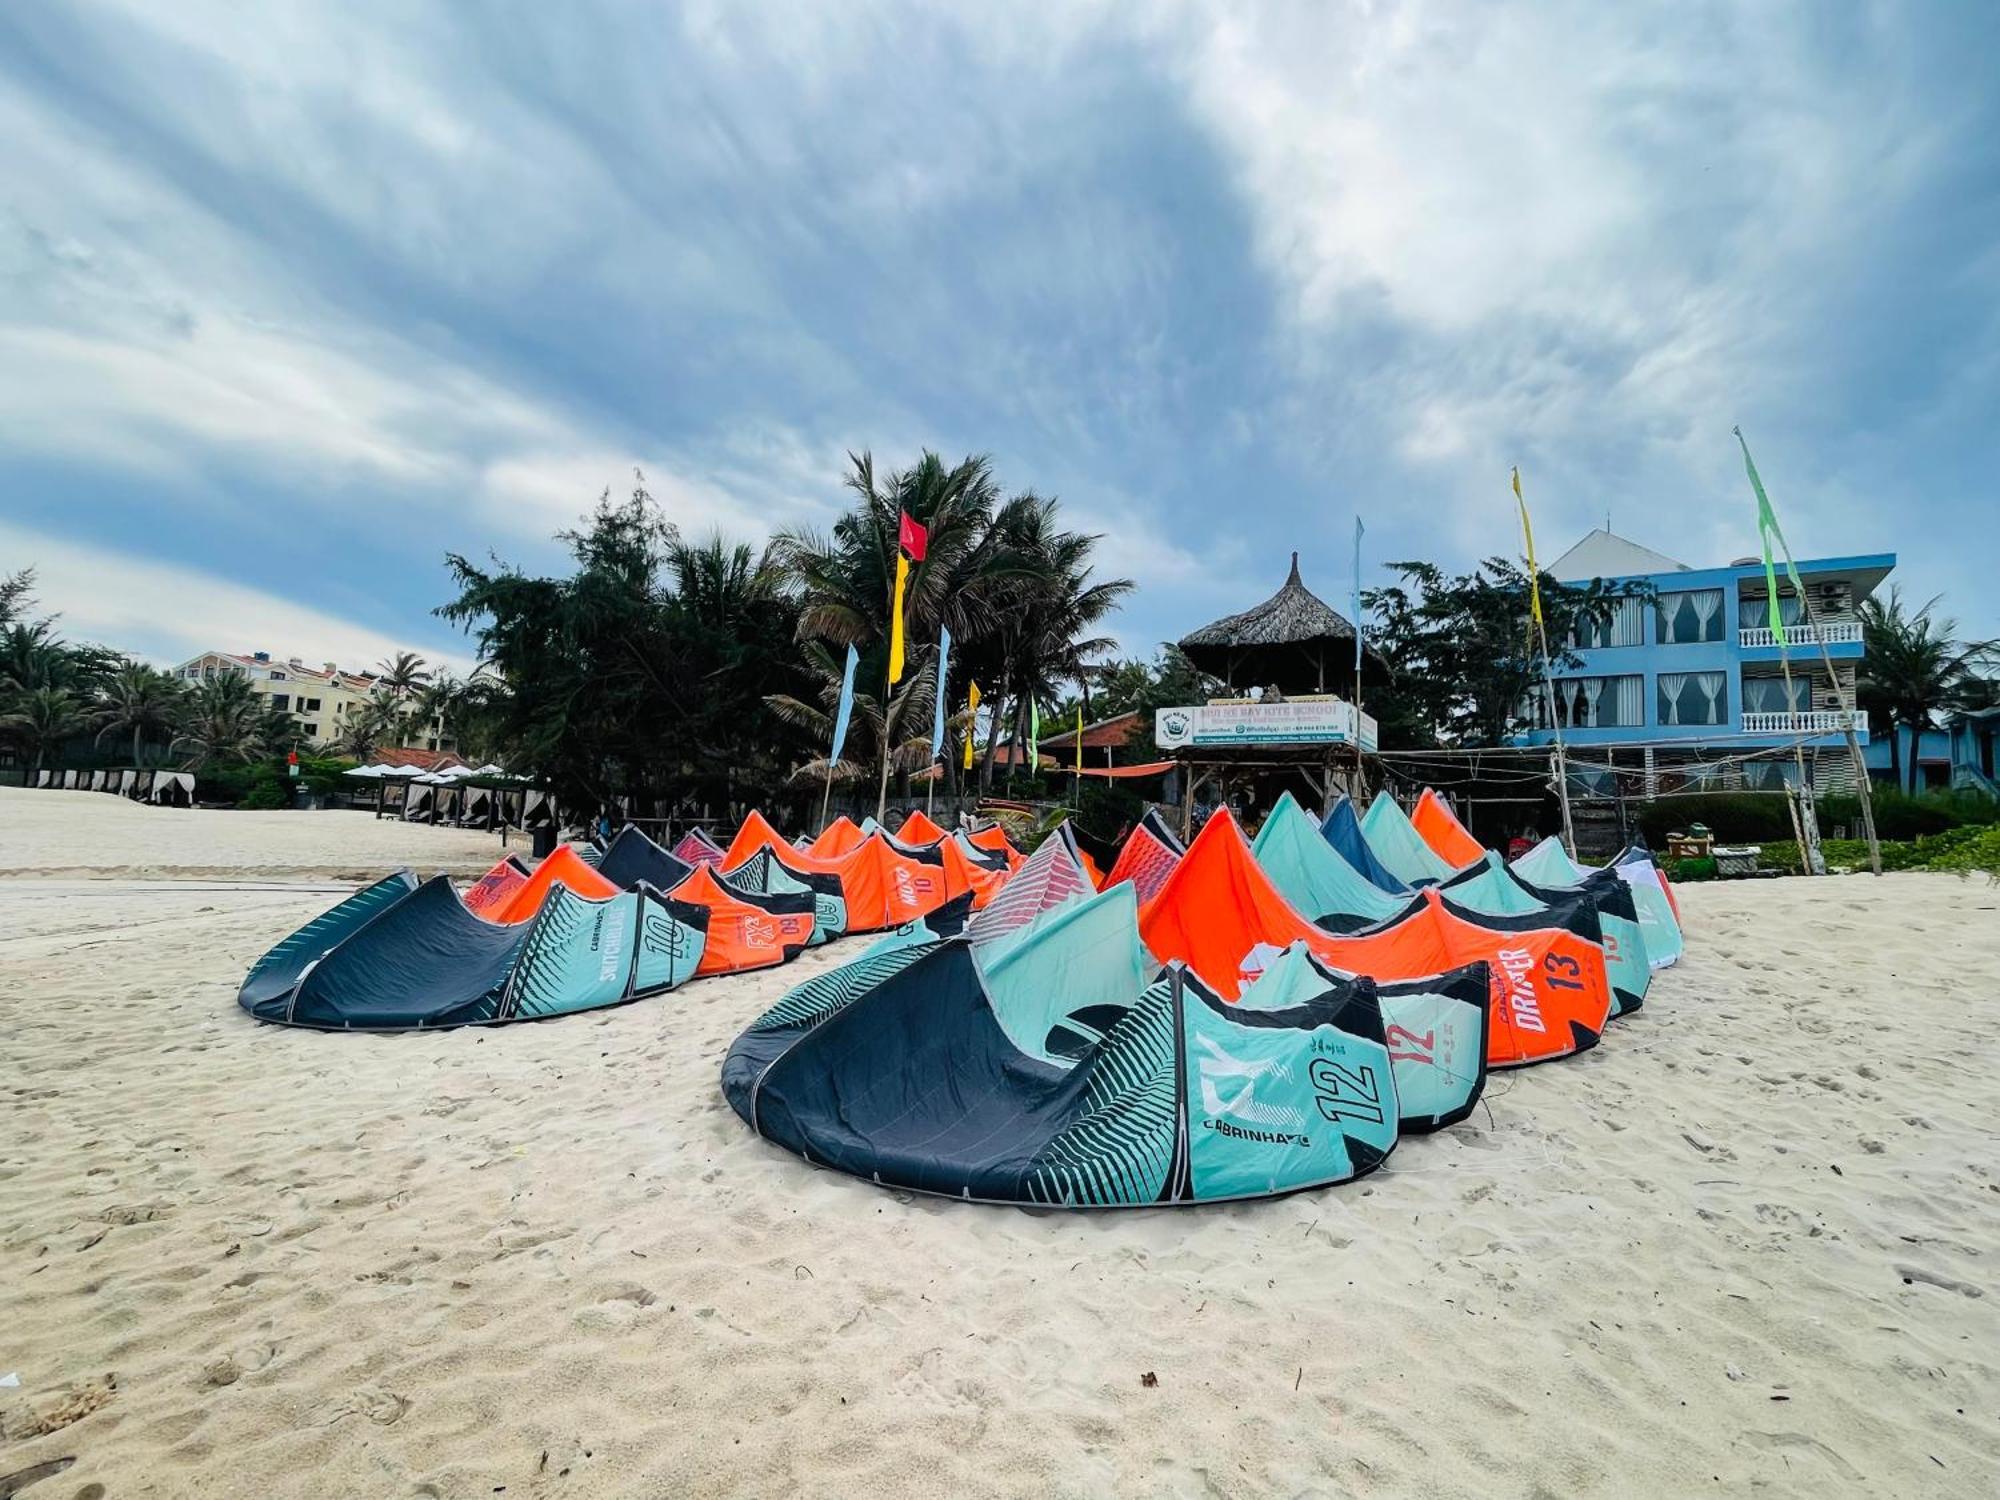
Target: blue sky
(295, 299)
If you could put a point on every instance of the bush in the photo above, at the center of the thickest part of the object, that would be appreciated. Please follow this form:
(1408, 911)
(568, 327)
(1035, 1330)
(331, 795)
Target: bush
(1703, 868)
(267, 794)
(1733, 817)
(1899, 815)
(1961, 849)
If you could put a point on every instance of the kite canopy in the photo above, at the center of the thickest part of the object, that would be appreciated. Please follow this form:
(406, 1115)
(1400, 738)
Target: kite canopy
(1439, 827)
(497, 886)
(1435, 1029)
(697, 848)
(837, 838)
(1052, 877)
(919, 830)
(746, 930)
(756, 833)
(965, 876)
(917, 1084)
(993, 838)
(1491, 886)
(765, 873)
(1221, 916)
(632, 857)
(1399, 846)
(1310, 874)
(563, 868)
(1659, 916)
(1549, 864)
(1151, 851)
(398, 956)
(1342, 828)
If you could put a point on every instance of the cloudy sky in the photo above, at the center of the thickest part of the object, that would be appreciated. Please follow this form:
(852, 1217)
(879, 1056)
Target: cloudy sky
(295, 299)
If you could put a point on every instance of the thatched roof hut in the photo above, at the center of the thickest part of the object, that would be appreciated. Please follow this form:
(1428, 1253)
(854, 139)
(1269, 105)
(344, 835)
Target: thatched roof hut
(1294, 641)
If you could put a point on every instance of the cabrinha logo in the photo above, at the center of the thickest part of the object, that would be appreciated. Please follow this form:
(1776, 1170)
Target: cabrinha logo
(1517, 964)
(1243, 1103)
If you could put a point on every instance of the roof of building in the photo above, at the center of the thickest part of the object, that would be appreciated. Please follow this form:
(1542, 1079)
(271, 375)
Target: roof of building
(1112, 733)
(1605, 554)
(1293, 616)
(294, 669)
(423, 760)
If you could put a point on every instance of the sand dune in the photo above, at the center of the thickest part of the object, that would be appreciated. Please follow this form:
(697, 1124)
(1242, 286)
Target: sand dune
(1745, 1246)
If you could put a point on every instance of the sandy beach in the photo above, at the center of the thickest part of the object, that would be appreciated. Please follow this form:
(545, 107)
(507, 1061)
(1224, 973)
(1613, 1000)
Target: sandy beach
(1746, 1246)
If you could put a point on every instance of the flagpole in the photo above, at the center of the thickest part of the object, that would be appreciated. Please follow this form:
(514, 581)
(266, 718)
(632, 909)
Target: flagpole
(1861, 786)
(1548, 672)
(1555, 723)
(1360, 767)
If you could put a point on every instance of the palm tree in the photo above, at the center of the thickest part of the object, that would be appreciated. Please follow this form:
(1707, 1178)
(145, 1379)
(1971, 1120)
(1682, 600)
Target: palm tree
(140, 699)
(402, 673)
(359, 737)
(845, 579)
(225, 719)
(387, 714)
(42, 718)
(1042, 579)
(438, 703)
(1914, 669)
(883, 736)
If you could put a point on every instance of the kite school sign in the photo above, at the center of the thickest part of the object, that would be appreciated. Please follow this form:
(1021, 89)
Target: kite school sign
(1294, 721)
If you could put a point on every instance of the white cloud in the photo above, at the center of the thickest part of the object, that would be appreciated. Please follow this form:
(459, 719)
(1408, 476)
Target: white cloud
(165, 613)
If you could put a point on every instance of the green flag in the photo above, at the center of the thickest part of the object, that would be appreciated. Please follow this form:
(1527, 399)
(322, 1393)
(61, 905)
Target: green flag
(1767, 529)
(1034, 734)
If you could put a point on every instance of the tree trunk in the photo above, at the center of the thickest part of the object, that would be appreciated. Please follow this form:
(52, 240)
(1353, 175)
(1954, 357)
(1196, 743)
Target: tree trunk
(136, 731)
(994, 721)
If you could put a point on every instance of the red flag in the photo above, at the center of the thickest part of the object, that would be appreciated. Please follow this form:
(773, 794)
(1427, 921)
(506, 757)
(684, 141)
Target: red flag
(913, 538)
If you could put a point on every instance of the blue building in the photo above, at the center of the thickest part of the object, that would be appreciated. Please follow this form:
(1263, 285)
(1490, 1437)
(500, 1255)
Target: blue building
(1690, 688)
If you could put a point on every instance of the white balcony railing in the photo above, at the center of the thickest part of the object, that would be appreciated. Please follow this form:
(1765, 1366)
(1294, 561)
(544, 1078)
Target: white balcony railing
(1833, 632)
(1813, 721)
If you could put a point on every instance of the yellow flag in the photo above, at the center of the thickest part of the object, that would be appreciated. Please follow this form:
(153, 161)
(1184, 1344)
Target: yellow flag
(1079, 738)
(896, 621)
(971, 720)
(1534, 571)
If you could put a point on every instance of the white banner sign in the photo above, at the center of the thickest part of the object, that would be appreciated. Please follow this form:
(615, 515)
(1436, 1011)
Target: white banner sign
(1313, 721)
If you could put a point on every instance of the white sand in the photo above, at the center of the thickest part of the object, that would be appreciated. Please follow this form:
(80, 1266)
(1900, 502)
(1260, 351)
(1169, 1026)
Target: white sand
(95, 833)
(243, 1261)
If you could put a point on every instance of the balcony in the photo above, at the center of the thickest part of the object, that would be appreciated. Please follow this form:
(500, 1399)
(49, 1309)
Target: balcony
(1812, 721)
(1834, 633)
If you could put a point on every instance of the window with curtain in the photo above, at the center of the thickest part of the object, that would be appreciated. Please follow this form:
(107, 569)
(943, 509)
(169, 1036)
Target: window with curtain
(1689, 616)
(1769, 695)
(1757, 610)
(1693, 698)
(1621, 628)
(1602, 702)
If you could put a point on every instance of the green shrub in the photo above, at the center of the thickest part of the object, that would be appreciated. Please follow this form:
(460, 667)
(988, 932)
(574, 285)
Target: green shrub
(1954, 849)
(1733, 817)
(266, 794)
(1899, 815)
(1703, 868)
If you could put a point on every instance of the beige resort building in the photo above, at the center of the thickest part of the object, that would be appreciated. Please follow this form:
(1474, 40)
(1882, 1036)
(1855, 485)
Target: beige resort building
(321, 700)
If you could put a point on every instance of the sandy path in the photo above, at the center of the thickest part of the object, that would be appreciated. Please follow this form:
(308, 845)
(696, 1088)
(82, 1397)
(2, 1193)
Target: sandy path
(1745, 1246)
